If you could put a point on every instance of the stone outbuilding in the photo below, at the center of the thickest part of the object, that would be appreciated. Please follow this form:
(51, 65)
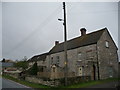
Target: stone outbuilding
(40, 60)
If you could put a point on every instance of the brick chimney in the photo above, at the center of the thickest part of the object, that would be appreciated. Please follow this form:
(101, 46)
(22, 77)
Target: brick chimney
(56, 42)
(83, 31)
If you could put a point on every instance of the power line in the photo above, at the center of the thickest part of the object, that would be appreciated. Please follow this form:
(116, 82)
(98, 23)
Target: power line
(41, 26)
(45, 22)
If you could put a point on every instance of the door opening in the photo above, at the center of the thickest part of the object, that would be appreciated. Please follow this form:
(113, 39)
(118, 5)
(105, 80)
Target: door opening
(94, 72)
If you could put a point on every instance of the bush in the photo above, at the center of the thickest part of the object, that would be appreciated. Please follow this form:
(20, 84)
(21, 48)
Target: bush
(33, 70)
(21, 64)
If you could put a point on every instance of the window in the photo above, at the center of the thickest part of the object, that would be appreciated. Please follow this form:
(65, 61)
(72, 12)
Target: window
(79, 56)
(107, 44)
(51, 60)
(53, 69)
(89, 55)
(41, 69)
(110, 71)
(58, 59)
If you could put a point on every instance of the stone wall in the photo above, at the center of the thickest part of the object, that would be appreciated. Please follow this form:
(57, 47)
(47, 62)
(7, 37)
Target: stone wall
(54, 82)
(14, 75)
(38, 80)
(75, 80)
(86, 61)
(72, 56)
(43, 74)
(107, 57)
(41, 63)
(57, 82)
(54, 75)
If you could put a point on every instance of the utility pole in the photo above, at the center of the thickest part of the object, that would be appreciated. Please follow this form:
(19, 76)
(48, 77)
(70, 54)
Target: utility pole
(65, 45)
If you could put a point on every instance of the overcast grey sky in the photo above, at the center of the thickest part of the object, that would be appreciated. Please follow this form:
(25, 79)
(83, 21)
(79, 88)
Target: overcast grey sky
(0, 30)
(32, 28)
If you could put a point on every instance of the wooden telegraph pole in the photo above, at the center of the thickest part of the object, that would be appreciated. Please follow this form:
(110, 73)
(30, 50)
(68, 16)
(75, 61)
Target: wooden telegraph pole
(65, 45)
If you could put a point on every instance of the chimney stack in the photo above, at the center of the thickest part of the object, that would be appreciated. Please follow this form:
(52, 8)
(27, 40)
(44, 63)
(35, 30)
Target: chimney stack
(83, 31)
(56, 42)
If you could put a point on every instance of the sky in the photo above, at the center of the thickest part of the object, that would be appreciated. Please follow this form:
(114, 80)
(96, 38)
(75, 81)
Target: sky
(0, 30)
(30, 28)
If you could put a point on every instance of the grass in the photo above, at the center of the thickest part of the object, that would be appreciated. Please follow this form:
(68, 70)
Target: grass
(90, 83)
(79, 85)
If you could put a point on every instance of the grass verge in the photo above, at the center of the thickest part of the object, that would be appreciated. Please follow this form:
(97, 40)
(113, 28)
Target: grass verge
(90, 83)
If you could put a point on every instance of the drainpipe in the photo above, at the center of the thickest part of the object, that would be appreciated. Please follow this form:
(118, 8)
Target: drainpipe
(97, 63)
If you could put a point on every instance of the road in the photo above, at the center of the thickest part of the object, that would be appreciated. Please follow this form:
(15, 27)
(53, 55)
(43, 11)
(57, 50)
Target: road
(13, 85)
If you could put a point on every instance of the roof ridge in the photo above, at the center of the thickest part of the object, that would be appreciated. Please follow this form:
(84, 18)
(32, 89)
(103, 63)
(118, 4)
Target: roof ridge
(88, 39)
(86, 34)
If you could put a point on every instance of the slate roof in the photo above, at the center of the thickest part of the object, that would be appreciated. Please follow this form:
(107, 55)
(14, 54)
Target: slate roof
(40, 57)
(88, 39)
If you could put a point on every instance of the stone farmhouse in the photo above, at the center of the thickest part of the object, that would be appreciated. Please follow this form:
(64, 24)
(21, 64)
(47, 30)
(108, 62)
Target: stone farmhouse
(93, 55)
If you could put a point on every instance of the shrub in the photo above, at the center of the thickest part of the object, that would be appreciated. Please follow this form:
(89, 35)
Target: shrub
(33, 70)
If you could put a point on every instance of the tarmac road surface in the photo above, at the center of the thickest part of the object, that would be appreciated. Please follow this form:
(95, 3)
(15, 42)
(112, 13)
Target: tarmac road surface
(9, 84)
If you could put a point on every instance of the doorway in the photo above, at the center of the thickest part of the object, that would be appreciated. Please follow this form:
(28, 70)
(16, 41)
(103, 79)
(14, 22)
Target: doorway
(80, 71)
(94, 72)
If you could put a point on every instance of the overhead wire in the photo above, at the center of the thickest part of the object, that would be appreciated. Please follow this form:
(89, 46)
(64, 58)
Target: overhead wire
(40, 27)
(45, 22)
